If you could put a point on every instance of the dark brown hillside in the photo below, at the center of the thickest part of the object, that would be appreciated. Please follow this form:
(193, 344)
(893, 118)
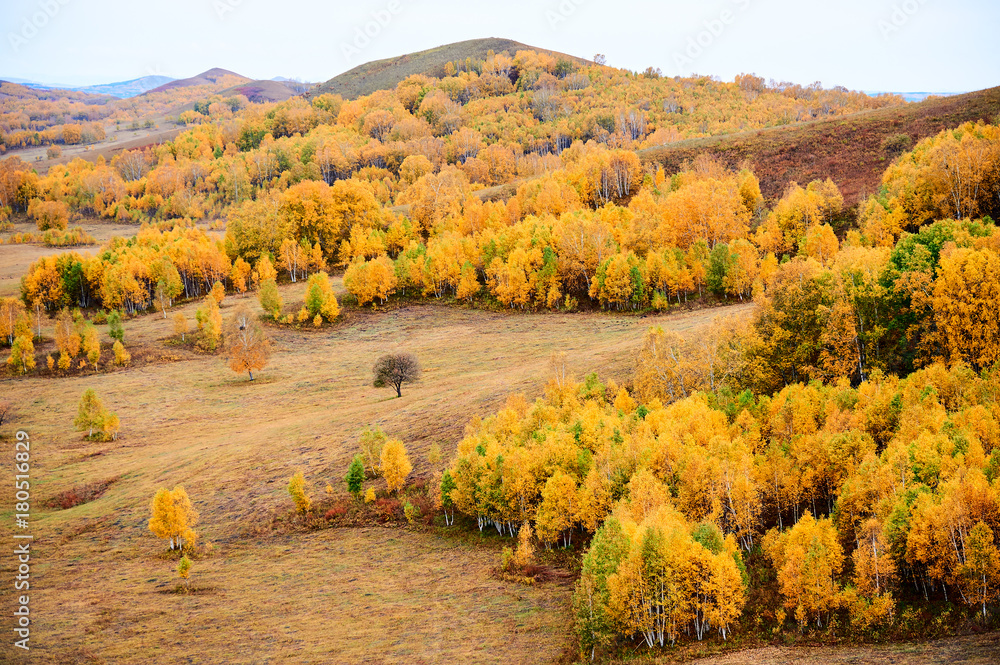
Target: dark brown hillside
(853, 150)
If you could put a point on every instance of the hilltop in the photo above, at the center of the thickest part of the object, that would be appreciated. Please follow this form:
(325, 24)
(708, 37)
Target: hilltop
(386, 74)
(852, 150)
(210, 77)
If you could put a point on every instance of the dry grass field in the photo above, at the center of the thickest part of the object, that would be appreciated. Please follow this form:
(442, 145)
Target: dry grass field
(104, 587)
(102, 581)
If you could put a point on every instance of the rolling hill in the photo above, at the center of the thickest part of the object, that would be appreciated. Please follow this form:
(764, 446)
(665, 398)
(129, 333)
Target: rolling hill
(852, 150)
(209, 77)
(385, 74)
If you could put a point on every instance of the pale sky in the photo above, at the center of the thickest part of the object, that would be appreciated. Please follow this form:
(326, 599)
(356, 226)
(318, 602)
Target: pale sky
(892, 45)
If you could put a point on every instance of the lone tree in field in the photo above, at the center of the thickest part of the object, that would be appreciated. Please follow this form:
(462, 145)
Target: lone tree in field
(246, 342)
(92, 416)
(395, 369)
(172, 516)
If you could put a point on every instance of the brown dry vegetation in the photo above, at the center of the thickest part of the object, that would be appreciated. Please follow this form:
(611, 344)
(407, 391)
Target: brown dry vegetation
(848, 149)
(104, 585)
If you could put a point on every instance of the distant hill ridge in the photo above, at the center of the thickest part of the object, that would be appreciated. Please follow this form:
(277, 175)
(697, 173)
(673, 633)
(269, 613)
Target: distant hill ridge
(386, 74)
(209, 77)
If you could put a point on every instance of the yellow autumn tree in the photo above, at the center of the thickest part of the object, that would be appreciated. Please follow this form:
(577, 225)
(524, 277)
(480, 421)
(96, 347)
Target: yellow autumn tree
(808, 559)
(172, 517)
(557, 513)
(966, 292)
(395, 464)
(247, 345)
(299, 492)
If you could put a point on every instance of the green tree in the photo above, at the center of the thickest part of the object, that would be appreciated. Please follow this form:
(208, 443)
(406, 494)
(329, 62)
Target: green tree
(91, 413)
(355, 476)
(270, 299)
(116, 330)
(447, 503)
(594, 625)
(320, 299)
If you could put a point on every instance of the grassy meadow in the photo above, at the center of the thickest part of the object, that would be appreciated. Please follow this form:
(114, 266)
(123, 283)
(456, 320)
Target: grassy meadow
(105, 584)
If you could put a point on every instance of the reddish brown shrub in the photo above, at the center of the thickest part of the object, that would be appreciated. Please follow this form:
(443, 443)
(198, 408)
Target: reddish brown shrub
(388, 509)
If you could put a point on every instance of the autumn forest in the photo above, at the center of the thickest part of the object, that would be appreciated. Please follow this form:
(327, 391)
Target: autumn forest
(672, 407)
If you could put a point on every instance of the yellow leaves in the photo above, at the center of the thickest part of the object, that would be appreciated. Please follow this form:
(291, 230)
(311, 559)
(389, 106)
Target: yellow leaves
(944, 176)
(172, 517)
(320, 213)
(558, 511)
(966, 291)
(265, 269)
(821, 244)
(669, 582)
(808, 558)
(706, 207)
(122, 356)
(874, 567)
(368, 280)
(670, 367)
(320, 299)
(299, 491)
(49, 214)
(513, 281)
(798, 211)
(209, 324)
(363, 244)
(395, 464)
(620, 283)
(22, 355)
(646, 493)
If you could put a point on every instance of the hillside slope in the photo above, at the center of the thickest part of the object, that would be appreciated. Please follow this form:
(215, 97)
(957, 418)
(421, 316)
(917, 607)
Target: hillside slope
(208, 77)
(853, 150)
(386, 74)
